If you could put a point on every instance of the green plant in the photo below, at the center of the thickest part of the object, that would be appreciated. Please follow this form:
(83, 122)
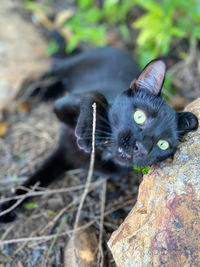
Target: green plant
(144, 170)
(34, 6)
(30, 206)
(52, 48)
(163, 22)
(90, 23)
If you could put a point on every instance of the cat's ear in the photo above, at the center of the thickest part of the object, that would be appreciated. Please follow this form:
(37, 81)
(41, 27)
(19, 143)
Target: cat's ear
(151, 78)
(187, 122)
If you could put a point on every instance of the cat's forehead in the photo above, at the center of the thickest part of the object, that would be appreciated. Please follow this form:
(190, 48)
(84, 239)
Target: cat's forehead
(153, 105)
(156, 108)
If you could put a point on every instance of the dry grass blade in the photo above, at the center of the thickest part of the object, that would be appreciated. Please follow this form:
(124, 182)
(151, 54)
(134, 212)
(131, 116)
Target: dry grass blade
(103, 200)
(62, 224)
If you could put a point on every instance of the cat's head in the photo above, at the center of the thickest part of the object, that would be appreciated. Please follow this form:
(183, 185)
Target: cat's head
(144, 128)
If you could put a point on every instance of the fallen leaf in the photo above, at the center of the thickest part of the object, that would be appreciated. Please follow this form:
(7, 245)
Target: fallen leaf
(24, 107)
(3, 128)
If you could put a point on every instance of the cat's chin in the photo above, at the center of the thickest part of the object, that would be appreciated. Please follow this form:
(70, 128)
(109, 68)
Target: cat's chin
(136, 161)
(124, 162)
(127, 160)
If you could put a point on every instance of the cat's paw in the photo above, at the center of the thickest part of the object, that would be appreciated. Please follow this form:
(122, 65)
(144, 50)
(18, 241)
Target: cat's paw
(84, 126)
(83, 134)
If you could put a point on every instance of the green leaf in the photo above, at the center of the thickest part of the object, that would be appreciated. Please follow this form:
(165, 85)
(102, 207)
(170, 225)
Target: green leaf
(145, 36)
(73, 43)
(177, 32)
(144, 21)
(116, 12)
(30, 206)
(52, 48)
(150, 6)
(33, 6)
(93, 15)
(110, 3)
(125, 32)
(144, 170)
(84, 4)
(196, 32)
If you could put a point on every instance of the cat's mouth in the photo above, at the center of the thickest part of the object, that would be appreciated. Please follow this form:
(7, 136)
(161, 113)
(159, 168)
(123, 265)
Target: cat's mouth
(123, 157)
(124, 154)
(126, 158)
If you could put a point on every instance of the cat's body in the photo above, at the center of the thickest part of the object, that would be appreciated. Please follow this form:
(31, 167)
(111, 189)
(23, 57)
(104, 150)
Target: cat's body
(106, 70)
(134, 126)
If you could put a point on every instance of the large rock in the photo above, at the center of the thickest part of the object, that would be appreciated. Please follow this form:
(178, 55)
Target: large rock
(163, 228)
(22, 52)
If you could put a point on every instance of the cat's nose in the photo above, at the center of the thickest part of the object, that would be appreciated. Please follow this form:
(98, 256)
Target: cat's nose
(139, 149)
(124, 138)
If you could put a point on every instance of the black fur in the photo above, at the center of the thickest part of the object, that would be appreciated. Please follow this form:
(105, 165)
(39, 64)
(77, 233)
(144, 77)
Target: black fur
(103, 76)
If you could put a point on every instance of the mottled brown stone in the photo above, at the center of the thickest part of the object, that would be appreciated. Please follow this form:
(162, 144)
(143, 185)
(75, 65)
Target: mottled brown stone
(86, 246)
(163, 228)
(22, 52)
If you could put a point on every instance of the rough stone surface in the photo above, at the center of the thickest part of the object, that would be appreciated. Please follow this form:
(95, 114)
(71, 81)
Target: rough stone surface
(86, 245)
(22, 51)
(163, 228)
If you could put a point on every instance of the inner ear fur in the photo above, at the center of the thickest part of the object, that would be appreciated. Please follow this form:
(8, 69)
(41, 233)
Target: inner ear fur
(151, 78)
(187, 122)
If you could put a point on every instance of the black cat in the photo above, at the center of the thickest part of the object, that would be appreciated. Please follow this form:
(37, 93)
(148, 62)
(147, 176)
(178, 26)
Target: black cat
(134, 126)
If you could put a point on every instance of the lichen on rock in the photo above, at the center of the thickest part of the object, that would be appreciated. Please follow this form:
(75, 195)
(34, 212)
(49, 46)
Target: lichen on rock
(163, 228)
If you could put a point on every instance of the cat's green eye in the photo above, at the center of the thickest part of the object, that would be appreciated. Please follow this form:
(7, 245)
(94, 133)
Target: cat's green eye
(163, 144)
(139, 116)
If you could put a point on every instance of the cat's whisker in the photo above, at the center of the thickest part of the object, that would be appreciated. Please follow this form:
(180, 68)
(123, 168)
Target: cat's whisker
(97, 138)
(99, 132)
(103, 119)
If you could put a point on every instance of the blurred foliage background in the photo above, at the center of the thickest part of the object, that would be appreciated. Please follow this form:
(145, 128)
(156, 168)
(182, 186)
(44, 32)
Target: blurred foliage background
(150, 28)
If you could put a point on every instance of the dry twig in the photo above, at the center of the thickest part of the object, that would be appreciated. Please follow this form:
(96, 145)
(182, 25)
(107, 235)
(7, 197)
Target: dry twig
(46, 237)
(88, 181)
(103, 200)
(32, 193)
(19, 201)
